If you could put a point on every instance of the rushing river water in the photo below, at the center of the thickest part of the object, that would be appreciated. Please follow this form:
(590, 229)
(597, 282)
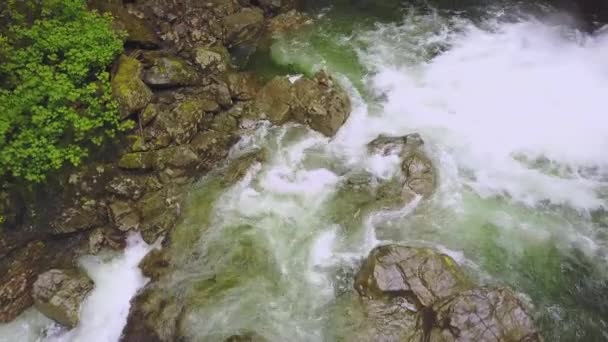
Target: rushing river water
(512, 110)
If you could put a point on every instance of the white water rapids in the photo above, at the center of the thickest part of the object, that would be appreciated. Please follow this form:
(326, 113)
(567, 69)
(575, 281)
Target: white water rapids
(514, 117)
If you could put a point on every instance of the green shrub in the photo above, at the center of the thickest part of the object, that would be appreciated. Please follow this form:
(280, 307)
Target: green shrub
(55, 95)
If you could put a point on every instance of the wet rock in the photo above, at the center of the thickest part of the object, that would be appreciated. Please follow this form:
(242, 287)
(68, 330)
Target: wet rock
(420, 173)
(215, 59)
(417, 294)
(16, 281)
(153, 317)
(243, 27)
(319, 103)
(417, 167)
(287, 22)
(170, 71)
(127, 87)
(155, 264)
(482, 314)
(274, 101)
(124, 216)
(58, 294)
(322, 104)
(243, 86)
(419, 274)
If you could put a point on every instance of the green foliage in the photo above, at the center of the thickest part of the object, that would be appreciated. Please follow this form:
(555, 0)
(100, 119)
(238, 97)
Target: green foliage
(55, 95)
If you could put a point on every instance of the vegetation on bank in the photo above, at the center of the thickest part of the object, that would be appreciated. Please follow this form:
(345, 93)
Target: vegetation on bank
(55, 94)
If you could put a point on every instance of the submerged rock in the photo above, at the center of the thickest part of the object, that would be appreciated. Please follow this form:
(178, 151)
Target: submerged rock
(58, 294)
(128, 88)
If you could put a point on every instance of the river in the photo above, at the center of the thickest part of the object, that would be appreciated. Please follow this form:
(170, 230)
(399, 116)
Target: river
(512, 110)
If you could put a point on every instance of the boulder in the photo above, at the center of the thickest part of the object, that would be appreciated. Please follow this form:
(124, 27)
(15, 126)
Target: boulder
(322, 103)
(127, 87)
(274, 101)
(420, 275)
(418, 294)
(170, 71)
(58, 294)
(319, 103)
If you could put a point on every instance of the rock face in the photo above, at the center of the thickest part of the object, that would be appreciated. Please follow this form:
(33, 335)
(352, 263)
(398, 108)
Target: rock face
(417, 294)
(127, 87)
(319, 103)
(59, 293)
